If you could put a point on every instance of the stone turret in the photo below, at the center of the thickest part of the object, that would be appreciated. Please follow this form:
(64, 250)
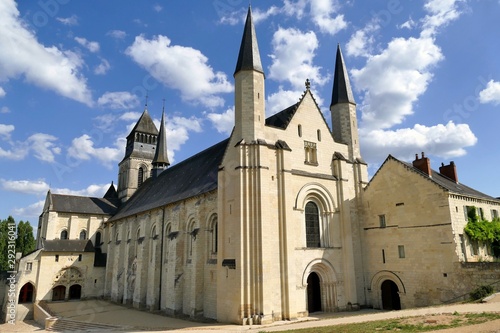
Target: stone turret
(343, 109)
(249, 87)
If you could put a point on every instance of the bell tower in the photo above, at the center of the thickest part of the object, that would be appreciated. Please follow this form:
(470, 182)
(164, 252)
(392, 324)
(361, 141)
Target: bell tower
(136, 166)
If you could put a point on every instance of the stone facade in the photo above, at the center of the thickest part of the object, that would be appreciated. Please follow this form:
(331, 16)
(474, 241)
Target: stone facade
(274, 223)
(414, 240)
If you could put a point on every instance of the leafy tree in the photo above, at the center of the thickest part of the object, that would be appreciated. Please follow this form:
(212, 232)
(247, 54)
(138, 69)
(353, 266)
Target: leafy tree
(24, 240)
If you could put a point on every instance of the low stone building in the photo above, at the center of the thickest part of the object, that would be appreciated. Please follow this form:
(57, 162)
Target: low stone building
(416, 252)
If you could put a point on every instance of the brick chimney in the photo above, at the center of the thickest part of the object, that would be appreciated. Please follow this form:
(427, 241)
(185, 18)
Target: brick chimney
(449, 171)
(423, 164)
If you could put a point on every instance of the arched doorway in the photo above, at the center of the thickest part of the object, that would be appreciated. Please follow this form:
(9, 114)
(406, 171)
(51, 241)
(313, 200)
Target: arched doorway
(75, 291)
(58, 293)
(390, 296)
(313, 293)
(26, 293)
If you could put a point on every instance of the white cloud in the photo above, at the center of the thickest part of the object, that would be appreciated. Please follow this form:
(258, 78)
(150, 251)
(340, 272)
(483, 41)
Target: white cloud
(53, 69)
(440, 140)
(2, 92)
(441, 12)
(361, 41)
(4, 109)
(281, 100)
(82, 149)
(72, 20)
(102, 68)
(491, 94)
(176, 67)
(157, 8)
(6, 130)
(394, 79)
(118, 34)
(25, 186)
(231, 17)
(89, 45)
(223, 122)
(178, 129)
(123, 100)
(33, 210)
(322, 12)
(292, 58)
(43, 147)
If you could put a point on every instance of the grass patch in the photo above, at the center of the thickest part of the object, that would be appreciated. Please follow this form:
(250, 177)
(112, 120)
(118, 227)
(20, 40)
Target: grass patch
(410, 325)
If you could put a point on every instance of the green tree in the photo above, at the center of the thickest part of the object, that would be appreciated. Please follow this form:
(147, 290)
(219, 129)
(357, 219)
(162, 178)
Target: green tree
(24, 240)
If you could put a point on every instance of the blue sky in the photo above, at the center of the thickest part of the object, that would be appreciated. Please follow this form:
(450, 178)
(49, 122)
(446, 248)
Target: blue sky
(74, 77)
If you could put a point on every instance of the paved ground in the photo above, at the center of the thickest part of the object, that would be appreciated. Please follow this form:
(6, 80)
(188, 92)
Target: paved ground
(139, 321)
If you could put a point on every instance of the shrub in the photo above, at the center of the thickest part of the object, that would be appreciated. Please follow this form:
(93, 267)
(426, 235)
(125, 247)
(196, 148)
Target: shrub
(481, 292)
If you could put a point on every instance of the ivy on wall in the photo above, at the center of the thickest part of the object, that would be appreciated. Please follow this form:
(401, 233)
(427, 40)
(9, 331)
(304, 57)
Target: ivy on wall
(484, 231)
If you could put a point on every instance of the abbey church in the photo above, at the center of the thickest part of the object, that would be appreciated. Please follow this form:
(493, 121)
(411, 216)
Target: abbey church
(273, 223)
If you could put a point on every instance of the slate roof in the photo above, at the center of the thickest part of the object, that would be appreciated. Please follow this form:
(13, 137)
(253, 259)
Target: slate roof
(283, 118)
(144, 125)
(68, 245)
(161, 156)
(84, 205)
(249, 56)
(342, 92)
(442, 181)
(193, 176)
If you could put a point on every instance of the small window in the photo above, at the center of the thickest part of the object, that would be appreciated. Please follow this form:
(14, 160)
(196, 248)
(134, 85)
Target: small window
(381, 219)
(383, 256)
(29, 266)
(481, 213)
(494, 214)
(79, 257)
(319, 135)
(57, 258)
(299, 129)
(83, 234)
(98, 239)
(401, 250)
(64, 234)
(214, 234)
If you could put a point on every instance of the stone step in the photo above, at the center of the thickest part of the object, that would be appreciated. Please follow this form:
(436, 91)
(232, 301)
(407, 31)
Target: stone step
(66, 325)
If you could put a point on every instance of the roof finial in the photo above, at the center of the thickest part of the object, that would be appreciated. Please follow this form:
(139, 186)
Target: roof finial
(308, 84)
(163, 109)
(147, 96)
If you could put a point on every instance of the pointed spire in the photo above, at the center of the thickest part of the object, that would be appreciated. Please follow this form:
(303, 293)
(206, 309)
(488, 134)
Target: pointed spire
(111, 192)
(249, 56)
(342, 92)
(160, 161)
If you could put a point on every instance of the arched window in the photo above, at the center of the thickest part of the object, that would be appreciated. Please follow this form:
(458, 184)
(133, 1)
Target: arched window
(213, 239)
(140, 177)
(83, 234)
(168, 240)
(138, 242)
(312, 225)
(64, 234)
(152, 246)
(191, 237)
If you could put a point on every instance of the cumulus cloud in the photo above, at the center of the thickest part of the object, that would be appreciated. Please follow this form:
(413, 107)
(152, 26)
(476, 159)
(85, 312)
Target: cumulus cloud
(33, 210)
(2, 92)
(440, 14)
(122, 100)
(361, 41)
(178, 130)
(293, 56)
(82, 149)
(176, 67)
(491, 94)
(89, 45)
(223, 122)
(54, 69)
(25, 186)
(445, 141)
(394, 79)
